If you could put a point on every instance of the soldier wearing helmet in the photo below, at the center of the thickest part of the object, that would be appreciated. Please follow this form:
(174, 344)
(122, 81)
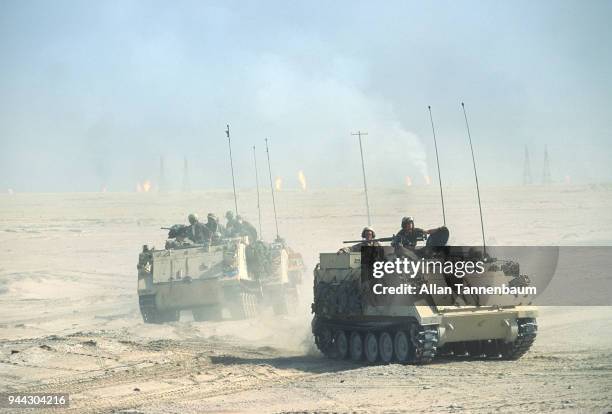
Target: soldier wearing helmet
(367, 234)
(242, 227)
(196, 231)
(216, 229)
(178, 237)
(231, 223)
(409, 235)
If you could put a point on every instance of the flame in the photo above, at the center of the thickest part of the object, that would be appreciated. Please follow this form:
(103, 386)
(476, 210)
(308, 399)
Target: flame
(278, 183)
(408, 181)
(427, 179)
(143, 187)
(302, 179)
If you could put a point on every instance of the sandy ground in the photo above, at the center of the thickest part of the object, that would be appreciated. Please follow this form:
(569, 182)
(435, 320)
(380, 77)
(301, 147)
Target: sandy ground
(69, 319)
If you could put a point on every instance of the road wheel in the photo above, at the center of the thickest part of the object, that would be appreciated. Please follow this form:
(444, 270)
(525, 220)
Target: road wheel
(342, 345)
(371, 347)
(356, 344)
(385, 347)
(401, 345)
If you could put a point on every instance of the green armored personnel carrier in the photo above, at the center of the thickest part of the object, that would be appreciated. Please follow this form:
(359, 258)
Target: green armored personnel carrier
(228, 279)
(350, 323)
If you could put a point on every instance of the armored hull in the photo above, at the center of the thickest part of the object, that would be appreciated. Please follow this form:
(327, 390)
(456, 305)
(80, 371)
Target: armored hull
(410, 329)
(227, 280)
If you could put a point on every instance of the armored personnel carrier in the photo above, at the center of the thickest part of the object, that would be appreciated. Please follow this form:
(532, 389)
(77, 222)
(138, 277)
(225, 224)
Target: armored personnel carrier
(279, 270)
(228, 279)
(350, 323)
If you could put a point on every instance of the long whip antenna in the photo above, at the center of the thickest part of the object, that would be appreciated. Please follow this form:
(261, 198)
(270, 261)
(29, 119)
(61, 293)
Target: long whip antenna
(438, 163)
(257, 185)
(272, 188)
(229, 144)
(467, 125)
(365, 185)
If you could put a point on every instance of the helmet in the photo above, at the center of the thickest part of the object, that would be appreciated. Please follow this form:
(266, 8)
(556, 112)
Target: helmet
(212, 216)
(365, 230)
(192, 218)
(229, 215)
(407, 219)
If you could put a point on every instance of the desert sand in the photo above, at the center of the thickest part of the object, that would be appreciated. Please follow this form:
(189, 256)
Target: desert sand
(69, 318)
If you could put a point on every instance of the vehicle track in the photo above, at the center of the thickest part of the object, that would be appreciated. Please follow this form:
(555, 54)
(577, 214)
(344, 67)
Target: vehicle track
(189, 369)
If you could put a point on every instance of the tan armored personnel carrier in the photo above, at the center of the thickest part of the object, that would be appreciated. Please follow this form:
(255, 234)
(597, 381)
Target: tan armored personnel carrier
(353, 320)
(280, 273)
(214, 282)
(349, 323)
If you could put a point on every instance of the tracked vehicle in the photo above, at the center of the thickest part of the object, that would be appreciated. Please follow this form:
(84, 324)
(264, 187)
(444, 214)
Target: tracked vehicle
(215, 281)
(349, 323)
(278, 269)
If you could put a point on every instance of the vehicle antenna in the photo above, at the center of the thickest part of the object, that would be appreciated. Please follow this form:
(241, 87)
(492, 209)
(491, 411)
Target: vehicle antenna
(365, 185)
(257, 185)
(229, 144)
(272, 188)
(467, 125)
(438, 163)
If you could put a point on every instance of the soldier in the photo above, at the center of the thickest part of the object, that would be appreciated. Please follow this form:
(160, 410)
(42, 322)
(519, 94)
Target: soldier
(198, 232)
(216, 229)
(244, 228)
(367, 234)
(408, 236)
(229, 215)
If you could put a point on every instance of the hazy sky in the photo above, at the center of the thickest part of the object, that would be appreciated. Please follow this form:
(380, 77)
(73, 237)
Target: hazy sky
(93, 92)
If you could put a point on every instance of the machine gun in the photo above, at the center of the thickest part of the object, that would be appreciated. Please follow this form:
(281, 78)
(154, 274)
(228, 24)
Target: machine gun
(437, 237)
(382, 239)
(178, 230)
